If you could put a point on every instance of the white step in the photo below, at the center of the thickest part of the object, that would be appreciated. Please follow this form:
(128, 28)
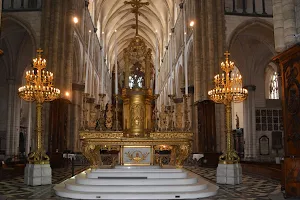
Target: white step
(136, 183)
(130, 174)
(72, 185)
(82, 180)
(136, 170)
(137, 167)
(63, 192)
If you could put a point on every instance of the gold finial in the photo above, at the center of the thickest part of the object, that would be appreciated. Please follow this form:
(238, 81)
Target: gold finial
(39, 52)
(136, 4)
(227, 54)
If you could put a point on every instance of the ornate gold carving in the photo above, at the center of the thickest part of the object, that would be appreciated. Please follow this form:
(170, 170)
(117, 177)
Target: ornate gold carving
(38, 157)
(100, 135)
(109, 117)
(182, 152)
(92, 153)
(163, 118)
(179, 116)
(172, 135)
(137, 156)
(137, 113)
(93, 117)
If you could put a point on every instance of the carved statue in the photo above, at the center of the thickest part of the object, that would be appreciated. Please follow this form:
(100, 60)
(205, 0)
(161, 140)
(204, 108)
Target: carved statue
(237, 121)
(163, 118)
(109, 116)
(93, 117)
(179, 116)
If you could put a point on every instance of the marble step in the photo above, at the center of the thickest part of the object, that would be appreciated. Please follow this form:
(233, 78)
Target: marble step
(137, 167)
(82, 180)
(63, 192)
(136, 170)
(72, 185)
(133, 174)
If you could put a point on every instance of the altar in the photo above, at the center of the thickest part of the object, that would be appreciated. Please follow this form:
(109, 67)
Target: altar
(134, 126)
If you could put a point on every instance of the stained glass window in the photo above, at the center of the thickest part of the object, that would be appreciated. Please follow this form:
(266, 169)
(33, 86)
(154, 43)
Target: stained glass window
(274, 93)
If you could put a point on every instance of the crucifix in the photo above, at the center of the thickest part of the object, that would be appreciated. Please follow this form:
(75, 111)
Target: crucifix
(136, 4)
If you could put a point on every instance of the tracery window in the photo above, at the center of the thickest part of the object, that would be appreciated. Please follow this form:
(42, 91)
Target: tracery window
(274, 93)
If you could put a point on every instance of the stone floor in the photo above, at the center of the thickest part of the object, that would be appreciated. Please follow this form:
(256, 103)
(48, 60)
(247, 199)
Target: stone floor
(253, 187)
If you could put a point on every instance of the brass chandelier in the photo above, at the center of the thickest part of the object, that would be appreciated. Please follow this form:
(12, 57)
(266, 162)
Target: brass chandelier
(39, 88)
(228, 89)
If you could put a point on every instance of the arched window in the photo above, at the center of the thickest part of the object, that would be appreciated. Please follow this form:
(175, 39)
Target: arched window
(274, 93)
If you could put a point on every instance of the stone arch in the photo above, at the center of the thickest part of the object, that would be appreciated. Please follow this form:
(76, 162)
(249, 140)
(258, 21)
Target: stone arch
(19, 43)
(252, 46)
(246, 25)
(23, 23)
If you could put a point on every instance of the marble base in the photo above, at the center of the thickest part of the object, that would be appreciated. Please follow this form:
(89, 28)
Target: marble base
(35, 174)
(230, 174)
(116, 186)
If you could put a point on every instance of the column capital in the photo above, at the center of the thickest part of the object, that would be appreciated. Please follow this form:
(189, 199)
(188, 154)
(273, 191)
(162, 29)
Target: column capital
(78, 87)
(190, 90)
(250, 87)
(90, 100)
(178, 100)
(181, 5)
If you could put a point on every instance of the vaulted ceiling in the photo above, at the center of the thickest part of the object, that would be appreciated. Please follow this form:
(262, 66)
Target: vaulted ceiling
(155, 21)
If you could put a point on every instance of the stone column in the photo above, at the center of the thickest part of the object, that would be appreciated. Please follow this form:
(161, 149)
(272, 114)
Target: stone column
(15, 130)
(289, 23)
(219, 108)
(69, 46)
(278, 25)
(76, 115)
(9, 150)
(249, 123)
(1, 52)
(29, 129)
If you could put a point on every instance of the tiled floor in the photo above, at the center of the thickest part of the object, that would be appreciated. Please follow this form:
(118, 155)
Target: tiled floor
(252, 187)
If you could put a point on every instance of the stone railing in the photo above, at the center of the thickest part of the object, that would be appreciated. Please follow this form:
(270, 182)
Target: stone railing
(21, 5)
(260, 8)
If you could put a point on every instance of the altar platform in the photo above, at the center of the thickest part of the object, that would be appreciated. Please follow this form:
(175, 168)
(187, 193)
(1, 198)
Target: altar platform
(136, 182)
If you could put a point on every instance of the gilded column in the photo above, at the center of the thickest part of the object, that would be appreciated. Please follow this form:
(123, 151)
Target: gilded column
(289, 23)
(278, 25)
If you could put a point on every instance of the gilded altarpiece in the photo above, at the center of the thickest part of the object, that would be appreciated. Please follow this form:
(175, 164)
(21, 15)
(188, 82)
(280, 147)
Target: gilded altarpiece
(139, 139)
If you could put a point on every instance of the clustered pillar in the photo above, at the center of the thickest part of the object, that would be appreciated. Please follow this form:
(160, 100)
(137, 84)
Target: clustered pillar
(285, 24)
(209, 46)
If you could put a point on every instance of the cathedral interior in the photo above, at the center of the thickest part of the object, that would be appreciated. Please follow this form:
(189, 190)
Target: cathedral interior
(193, 84)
